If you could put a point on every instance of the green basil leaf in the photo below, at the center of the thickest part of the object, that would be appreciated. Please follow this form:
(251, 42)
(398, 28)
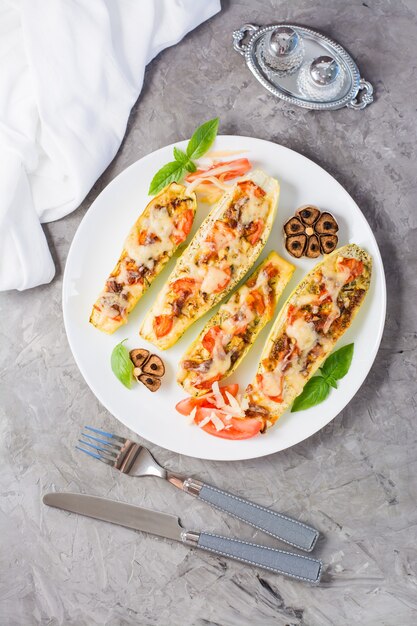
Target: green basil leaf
(121, 364)
(337, 364)
(191, 166)
(171, 172)
(331, 381)
(315, 391)
(202, 139)
(181, 157)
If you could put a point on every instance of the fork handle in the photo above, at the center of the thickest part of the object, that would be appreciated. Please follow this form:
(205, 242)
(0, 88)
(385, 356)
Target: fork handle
(294, 565)
(280, 526)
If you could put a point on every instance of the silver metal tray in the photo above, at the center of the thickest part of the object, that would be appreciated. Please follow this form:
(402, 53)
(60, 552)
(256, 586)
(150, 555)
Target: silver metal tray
(354, 93)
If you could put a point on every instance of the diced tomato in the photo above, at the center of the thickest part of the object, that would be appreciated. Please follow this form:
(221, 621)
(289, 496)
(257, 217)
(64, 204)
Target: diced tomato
(270, 270)
(240, 428)
(221, 234)
(223, 170)
(145, 238)
(254, 231)
(225, 281)
(162, 325)
(256, 302)
(183, 226)
(210, 338)
(142, 237)
(355, 266)
(248, 186)
(183, 284)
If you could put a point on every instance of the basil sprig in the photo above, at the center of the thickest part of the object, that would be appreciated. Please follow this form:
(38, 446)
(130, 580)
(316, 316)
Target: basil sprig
(335, 367)
(121, 364)
(198, 145)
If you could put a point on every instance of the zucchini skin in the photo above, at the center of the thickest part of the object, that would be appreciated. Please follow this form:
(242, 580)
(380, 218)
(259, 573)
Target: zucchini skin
(277, 285)
(260, 404)
(133, 293)
(186, 263)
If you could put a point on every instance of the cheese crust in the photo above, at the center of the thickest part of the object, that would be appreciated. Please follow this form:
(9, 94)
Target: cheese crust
(224, 248)
(151, 242)
(229, 334)
(315, 316)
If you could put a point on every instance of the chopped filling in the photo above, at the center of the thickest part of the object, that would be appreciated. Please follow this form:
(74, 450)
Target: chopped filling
(149, 244)
(236, 323)
(220, 255)
(315, 319)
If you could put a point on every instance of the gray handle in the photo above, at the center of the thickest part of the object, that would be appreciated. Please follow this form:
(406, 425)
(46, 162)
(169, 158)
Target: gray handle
(280, 526)
(293, 565)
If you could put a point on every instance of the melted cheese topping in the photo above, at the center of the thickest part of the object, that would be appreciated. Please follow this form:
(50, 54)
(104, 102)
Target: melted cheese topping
(254, 209)
(304, 334)
(159, 223)
(213, 278)
(272, 383)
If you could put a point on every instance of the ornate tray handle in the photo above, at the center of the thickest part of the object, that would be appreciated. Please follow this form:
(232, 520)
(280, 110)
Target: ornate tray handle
(363, 97)
(239, 35)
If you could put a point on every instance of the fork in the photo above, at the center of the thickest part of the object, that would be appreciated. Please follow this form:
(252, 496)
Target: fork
(135, 460)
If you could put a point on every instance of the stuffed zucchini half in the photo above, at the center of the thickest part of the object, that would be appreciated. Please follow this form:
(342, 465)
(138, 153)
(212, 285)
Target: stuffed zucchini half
(224, 248)
(318, 312)
(151, 242)
(230, 333)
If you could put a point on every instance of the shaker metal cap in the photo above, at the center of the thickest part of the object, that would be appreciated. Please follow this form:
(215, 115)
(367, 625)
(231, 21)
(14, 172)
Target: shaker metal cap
(282, 41)
(324, 70)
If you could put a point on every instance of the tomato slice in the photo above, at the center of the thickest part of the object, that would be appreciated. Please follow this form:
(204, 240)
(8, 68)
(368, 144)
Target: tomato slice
(162, 325)
(210, 338)
(183, 284)
(208, 383)
(254, 232)
(233, 389)
(224, 170)
(183, 226)
(186, 406)
(244, 428)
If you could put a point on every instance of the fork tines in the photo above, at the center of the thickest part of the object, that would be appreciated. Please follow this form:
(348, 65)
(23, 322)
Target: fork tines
(106, 449)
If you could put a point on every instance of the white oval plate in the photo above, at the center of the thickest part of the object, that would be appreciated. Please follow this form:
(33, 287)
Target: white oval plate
(96, 247)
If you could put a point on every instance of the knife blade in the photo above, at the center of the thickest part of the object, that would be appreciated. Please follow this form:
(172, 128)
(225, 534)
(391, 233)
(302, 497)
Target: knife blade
(121, 513)
(165, 525)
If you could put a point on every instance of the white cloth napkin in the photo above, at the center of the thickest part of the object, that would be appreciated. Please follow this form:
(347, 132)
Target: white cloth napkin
(70, 71)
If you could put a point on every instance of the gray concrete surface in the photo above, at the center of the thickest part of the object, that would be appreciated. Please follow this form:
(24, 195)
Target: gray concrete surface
(355, 480)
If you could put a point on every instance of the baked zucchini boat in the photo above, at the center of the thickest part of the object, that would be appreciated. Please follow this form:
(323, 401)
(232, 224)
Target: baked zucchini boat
(151, 242)
(224, 248)
(230, 333)
(318, 312)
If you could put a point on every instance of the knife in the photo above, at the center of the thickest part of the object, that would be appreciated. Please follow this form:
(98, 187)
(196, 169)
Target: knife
(165, 525)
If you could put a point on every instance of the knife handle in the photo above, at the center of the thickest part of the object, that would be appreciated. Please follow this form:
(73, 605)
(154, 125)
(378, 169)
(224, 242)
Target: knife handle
(294, 565)
(280, 526)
